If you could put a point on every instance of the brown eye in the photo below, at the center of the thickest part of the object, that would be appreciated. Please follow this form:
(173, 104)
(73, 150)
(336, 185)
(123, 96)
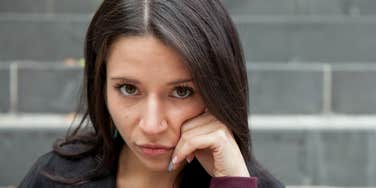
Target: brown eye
(182, 92)
(128, 89)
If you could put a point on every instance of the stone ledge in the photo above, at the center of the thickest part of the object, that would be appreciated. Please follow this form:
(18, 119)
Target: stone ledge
(313, 122)
(256, 122)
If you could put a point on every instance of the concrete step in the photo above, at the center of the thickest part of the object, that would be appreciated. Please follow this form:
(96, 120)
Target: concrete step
(25, 139)
(42, 37)
(299, 150)
(312, 88)
(49, 6)
(250, 7)
(36, 87)
(5, 89)
(313, 38)
(276, 7)
(326, 150)
(301, 7)
(275, 88)
(265, 39)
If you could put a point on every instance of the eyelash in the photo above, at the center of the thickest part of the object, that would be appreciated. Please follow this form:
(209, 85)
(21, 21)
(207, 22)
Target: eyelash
(185, 86)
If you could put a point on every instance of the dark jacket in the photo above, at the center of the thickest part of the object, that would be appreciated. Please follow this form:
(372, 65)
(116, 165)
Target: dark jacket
(53, 163)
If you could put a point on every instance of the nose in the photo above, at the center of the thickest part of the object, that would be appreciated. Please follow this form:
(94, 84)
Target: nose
(153, 120)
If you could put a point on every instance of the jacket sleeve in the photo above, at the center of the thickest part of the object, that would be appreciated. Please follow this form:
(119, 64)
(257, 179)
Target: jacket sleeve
(233, 182)
(33, 176)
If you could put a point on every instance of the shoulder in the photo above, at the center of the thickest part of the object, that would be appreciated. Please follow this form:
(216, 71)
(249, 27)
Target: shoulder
(34, 177)
(56, 165)
(269, 182)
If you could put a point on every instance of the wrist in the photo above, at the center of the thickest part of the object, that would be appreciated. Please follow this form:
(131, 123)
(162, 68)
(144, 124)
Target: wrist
(240, 172)
(243, 173)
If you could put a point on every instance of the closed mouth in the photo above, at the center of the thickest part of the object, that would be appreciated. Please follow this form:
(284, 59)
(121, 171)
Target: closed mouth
(154, 149)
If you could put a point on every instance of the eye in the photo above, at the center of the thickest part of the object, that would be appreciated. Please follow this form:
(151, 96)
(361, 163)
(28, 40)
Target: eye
(182, 92)
(128, 89)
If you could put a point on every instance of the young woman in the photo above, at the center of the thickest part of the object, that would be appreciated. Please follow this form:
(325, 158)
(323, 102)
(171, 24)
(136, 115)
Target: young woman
(166, 103)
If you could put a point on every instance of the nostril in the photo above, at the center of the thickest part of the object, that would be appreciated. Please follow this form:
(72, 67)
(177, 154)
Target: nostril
(163, 124)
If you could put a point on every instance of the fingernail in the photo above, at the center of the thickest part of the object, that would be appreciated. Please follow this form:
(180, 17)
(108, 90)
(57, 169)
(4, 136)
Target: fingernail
(171, 164)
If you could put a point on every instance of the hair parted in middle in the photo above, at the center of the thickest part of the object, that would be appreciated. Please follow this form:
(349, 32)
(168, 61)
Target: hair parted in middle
(202, 32)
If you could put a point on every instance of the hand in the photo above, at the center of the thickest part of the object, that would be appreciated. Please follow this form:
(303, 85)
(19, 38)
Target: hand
(213, 145)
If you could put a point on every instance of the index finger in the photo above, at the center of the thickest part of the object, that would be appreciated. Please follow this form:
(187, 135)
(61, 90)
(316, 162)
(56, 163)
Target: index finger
(203, 118)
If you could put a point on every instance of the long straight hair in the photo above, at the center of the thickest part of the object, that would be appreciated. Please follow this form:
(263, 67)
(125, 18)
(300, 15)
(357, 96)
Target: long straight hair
(202, 32)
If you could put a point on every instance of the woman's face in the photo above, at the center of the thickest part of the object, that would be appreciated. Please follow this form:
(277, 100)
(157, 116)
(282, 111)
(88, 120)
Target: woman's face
(150, 94)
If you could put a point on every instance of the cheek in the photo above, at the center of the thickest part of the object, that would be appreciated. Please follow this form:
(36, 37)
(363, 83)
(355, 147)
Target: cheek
(117, 109)
(185, 112)
(117, 105)
(124, 117)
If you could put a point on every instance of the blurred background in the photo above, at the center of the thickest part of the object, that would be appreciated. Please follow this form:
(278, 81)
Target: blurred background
(312, 76)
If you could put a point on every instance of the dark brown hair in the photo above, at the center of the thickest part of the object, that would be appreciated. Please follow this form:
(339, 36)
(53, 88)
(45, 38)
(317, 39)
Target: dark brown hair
(205, 36)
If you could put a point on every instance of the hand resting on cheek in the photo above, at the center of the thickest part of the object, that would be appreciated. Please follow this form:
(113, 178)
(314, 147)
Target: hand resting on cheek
(209, 141)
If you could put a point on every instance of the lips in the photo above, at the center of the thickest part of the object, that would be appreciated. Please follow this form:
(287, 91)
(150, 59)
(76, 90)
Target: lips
(154, 149)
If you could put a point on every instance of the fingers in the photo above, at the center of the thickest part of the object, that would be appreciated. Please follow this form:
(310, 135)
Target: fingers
(200, 120)
(195, 130)
(208, 125)
(201, 132)
(190, 158)
(213, 141)
(199, 129)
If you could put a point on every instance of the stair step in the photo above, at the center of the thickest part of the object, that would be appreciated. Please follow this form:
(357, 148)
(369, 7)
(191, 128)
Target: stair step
(5, 89)
(249, 7)
(275, 91)
(308, 39)
(265, 39)
(50, 6)
(301, 7)
(42, 37)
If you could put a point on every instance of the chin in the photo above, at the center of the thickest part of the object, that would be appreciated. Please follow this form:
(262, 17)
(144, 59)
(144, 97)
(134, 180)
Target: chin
(156, 166)
(153, 163)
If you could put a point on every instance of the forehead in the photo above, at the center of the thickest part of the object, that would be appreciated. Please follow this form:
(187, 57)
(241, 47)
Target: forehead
(145, 56)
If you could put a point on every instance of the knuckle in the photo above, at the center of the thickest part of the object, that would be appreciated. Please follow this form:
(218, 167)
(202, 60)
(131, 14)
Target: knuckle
(183, 128)
(184, 139)
(213, 120)
(189, 143)
(186, 127)
(221, 135)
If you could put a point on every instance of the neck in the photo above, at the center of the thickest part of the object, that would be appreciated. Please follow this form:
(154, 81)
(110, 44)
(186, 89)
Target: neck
(133, 173)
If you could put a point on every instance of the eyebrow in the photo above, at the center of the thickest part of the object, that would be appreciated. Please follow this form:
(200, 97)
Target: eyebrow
(134, 81)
